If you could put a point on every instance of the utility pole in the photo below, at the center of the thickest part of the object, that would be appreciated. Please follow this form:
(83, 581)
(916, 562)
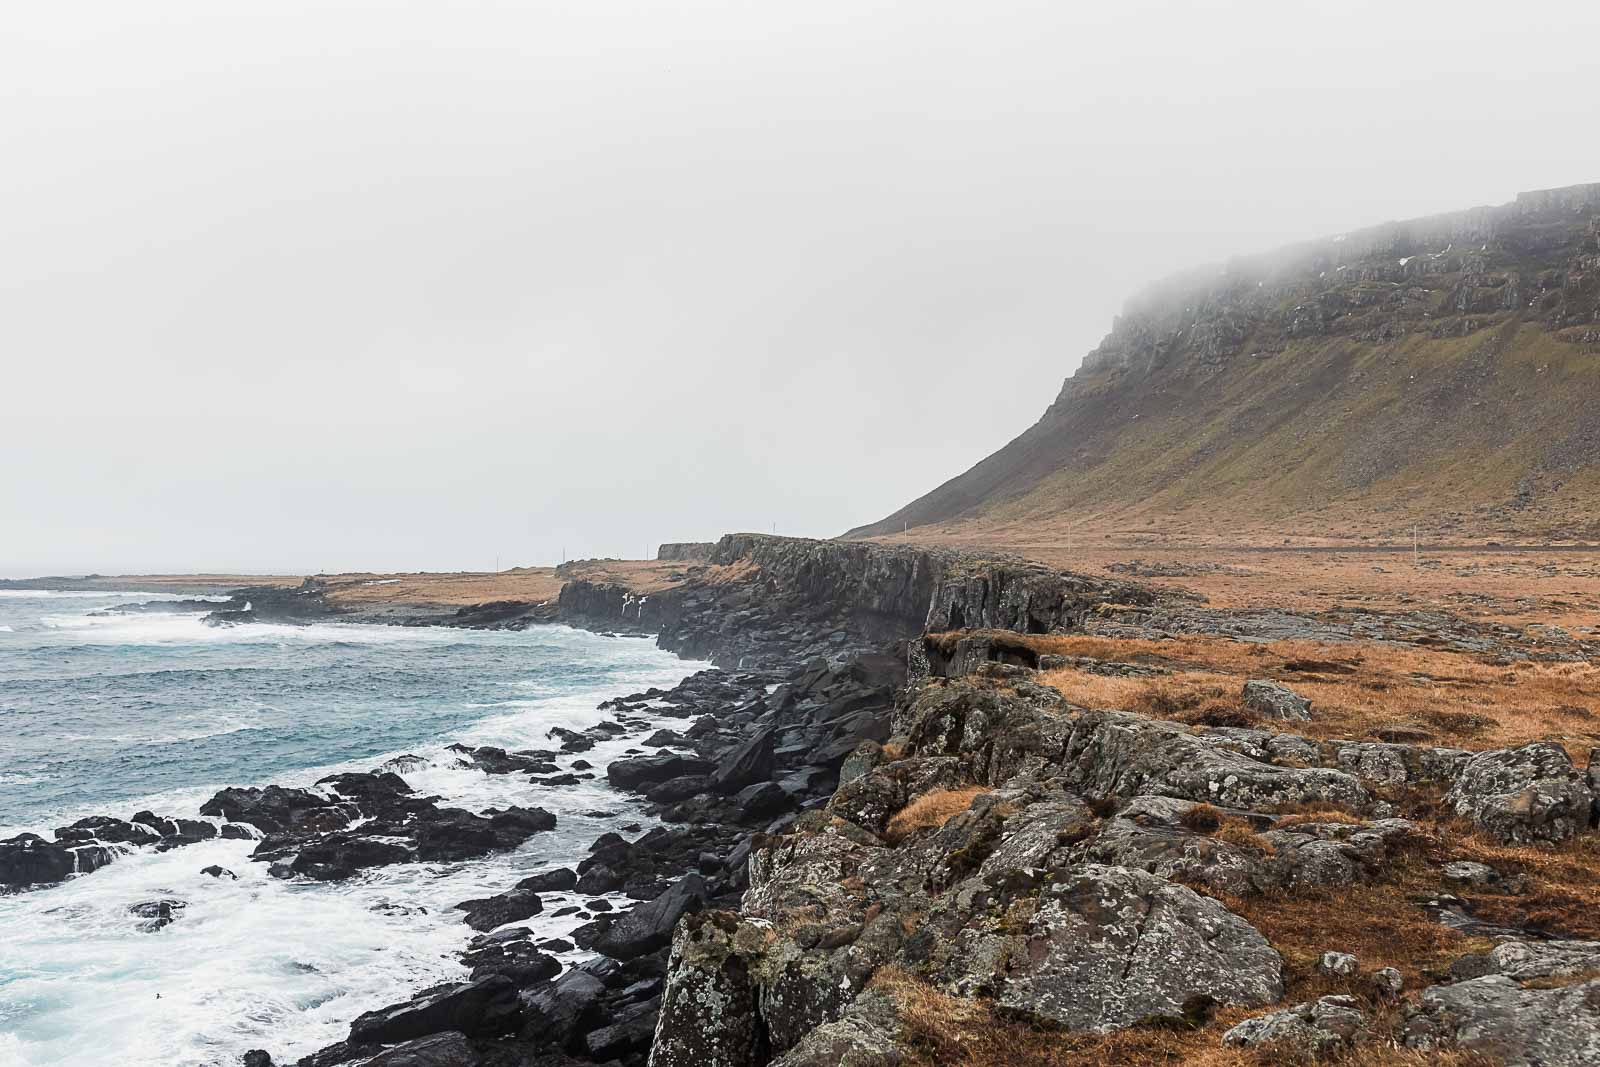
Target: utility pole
(1414, 560)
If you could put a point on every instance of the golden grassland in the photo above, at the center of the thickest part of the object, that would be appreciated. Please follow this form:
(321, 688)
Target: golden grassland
(535, 585)
(1360, 690)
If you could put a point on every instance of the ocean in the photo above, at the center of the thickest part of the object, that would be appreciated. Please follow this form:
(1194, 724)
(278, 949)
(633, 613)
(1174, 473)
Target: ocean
(107, 713)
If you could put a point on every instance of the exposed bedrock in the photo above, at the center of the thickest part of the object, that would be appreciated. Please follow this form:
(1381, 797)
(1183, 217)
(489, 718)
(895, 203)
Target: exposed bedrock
(768, 600)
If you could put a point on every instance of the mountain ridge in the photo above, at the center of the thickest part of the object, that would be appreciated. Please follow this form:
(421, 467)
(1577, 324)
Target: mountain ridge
(1436, 373)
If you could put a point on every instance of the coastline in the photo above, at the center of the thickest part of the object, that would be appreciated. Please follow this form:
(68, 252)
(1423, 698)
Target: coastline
(879, 795)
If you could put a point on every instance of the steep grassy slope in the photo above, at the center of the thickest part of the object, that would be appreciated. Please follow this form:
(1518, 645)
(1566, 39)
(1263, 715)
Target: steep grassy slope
(1443, 372)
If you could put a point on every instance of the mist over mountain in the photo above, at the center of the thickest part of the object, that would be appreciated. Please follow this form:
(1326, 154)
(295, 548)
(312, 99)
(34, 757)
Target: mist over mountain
(1440, 372)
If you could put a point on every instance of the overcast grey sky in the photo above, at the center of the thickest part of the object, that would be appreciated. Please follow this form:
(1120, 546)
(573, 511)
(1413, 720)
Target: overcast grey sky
(332, 285)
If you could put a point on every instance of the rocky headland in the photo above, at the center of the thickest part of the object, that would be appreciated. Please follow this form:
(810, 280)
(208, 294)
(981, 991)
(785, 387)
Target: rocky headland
(892, 826)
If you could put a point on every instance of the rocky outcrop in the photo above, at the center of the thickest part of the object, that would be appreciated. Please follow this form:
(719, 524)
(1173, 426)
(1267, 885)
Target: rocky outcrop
(1532, 793)
(1109, 947)
(1317, 1028)
(1499, 1019)
(769, 600)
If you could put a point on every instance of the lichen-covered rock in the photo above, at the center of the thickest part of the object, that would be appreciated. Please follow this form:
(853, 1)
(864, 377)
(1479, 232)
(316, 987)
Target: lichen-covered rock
(1274, 701)
(1497, 1018)
(864, 1036)
(1173, 852)
(1527, 960)
(1318, 1027)
(1387, 765)
(1338, 964)
(1112, 753)
(708, 1014)
(870, 800)
(1109, 947)
(1532, 793)
(1335, 853)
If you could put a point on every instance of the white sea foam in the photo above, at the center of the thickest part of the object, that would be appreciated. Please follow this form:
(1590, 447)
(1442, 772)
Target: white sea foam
(261, 962)
(92, 594)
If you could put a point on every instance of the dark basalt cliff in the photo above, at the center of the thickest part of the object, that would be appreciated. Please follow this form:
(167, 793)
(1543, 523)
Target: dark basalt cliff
(1437, 371)
(765, 600)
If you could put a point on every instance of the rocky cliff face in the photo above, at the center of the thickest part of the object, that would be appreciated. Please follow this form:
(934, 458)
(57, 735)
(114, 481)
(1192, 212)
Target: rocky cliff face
(764, 600)
(1424, 371)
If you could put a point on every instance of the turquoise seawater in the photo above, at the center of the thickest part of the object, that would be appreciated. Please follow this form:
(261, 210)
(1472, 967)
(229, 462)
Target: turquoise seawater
(108, 713)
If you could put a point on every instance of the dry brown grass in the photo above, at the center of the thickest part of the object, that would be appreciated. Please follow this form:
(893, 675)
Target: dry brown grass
(534, 585)
(1359, 690)
(931, 811)
(1563, 896)
(1202, 819)
(938, 1030)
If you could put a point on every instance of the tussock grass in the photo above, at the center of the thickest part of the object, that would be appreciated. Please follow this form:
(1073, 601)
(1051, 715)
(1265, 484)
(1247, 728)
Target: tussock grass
(931, 811)
(1360, 690)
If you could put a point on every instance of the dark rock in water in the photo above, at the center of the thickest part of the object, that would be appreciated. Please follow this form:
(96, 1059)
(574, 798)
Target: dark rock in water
(556, 944)
(236, 831)
(480, 1009)
(663, 739)
(449, 1049)
(486, 913)
(634, 774)
(559, 779)
(341, 855)
(515, 958)
(157, 913)
(404, 764)
(257, 1058)
(556, 881)
(371, 786)
(275, 809)
(581, 765)
(175, 832)
(29, 859)
(649, 926)
(219, 872)
(105, 828)
(571, 740)
(456, 834)
(599, 879)
(493, 760)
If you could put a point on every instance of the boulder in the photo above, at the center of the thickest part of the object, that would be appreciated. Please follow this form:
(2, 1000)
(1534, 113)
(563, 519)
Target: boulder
(105, 828)
(1522, 795)
(556, 1012)
(28, 859)
(157, 914)
(479, 1009)
(1273, 701)
(709, 1015)
(640, 772)
(556, 881)
(649, 926)
(866, 1035)
(1338, 964)
(486, 913)
(1507, 1024)
(1108, 947)
(449, 1049)
(1316, 1028)
(275, 809)
(745, 765)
